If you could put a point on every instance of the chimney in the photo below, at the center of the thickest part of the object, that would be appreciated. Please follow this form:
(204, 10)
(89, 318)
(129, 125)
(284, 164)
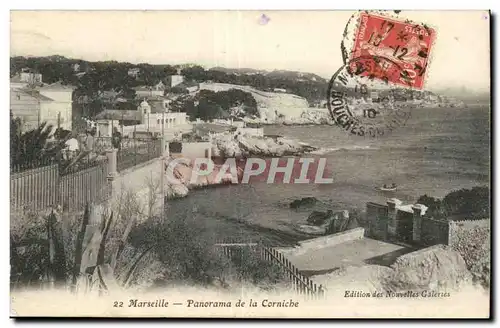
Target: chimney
(392, 212)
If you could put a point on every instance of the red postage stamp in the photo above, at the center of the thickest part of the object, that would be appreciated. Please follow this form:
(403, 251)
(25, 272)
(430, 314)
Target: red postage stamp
(403, 47)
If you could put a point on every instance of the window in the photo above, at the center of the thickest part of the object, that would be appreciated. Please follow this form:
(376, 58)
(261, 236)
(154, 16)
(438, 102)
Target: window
(18, 96)
(158, 121)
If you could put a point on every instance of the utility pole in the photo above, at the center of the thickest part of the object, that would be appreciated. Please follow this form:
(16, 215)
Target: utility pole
(162, 162)
(210, 146)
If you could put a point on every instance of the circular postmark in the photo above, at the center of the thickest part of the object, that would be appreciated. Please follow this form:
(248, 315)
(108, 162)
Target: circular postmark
(363, 103)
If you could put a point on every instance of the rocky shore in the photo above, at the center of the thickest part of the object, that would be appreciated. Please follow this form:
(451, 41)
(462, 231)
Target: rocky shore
(242, 146)
(314, 116)
(229, 145)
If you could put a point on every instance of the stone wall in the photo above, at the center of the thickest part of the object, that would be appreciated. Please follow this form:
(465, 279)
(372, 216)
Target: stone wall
(377, 216)
(335, 239)
(404, 228)
(456, 226)
(194, 150)
(144, 182)
(434, 232)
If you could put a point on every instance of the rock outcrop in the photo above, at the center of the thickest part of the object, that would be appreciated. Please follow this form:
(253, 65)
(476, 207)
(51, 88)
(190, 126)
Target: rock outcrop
(433, 269)
(230, 145)
(179, 182)
(325, 223)
(318, 218)
(303, 202)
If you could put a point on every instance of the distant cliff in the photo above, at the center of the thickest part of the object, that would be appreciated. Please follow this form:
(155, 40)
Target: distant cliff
(272, 106)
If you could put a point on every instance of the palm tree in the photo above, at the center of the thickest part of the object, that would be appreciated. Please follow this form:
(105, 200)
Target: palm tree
(35, 147)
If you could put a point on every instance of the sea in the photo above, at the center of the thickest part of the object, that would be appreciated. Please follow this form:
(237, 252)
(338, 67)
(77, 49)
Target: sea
(438, 150)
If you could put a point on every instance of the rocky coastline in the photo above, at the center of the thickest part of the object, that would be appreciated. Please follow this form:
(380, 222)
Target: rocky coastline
(229, 145)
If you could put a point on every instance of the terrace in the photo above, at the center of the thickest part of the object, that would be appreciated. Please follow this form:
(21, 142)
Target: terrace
(350, 248)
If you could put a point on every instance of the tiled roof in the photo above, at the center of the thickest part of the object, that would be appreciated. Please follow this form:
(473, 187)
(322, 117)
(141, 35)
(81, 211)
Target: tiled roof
(57, 86)
(34, 94)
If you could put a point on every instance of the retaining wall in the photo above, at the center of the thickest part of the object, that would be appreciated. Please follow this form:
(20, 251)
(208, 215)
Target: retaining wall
(325, 241)
(144, 181)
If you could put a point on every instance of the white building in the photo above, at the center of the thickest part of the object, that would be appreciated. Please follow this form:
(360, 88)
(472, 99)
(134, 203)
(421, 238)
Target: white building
(134, 72)
(174, 80)
(151, 117)
(24, 79)
(155, 119)
(105, 127)
(146, 91)
(35, 104)
(61, 105)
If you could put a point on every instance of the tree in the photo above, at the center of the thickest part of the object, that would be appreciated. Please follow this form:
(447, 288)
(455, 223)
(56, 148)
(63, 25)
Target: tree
(110, 75)
(169, 70)
(128, 93)
(196, 73)
(475, 202)
(433, 204)
(185, 104)
(470, 203)
(208, 107)
(34, 147)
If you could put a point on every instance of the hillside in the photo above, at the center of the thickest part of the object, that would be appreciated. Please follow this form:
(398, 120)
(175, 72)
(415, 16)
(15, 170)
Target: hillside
(112, 75)
(299, 76)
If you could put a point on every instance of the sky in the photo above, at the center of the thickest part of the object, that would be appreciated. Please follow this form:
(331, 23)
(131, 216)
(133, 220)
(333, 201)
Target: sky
(306, 41)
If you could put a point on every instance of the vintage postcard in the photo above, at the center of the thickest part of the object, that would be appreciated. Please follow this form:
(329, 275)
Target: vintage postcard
(250, 164)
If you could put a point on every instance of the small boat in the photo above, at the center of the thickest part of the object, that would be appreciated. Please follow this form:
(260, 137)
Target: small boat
(393, 187)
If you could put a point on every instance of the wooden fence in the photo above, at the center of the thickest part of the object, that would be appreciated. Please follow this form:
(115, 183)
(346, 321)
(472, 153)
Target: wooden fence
(79, 188)
(300, 283)
(35, 189)
(45, 187)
